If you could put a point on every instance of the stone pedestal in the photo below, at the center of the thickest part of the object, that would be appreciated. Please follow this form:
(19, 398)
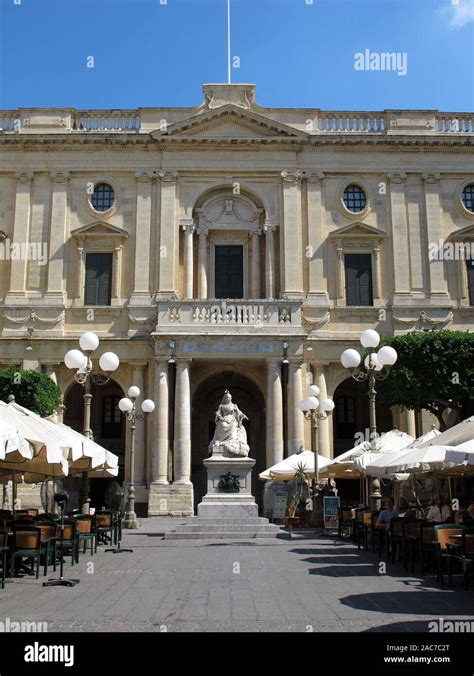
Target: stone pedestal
(219, 503)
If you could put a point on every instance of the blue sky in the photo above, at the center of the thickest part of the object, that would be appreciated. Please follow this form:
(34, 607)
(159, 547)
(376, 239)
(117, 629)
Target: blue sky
(298, 54)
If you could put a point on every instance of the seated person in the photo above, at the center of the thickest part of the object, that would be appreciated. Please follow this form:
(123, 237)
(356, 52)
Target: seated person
(403, 509)
(387, 514)
(439, 512)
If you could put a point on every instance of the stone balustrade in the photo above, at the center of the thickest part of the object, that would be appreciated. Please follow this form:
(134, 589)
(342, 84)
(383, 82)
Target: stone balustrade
(229, 313)
(388, 122)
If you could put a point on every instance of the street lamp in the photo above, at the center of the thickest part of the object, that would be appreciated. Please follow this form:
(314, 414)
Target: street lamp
(128, 407)
(376, 366)
(81, 363)
(314, 410)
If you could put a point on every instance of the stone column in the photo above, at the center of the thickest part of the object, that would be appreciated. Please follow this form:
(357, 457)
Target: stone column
(117, 273)
(316, 237)
(182, 425)
(292, 247)
(160, 444)
(255, 236)
(269, 229)
(274, 413)
(57, 236)
(377, 281)
(202, 286)
(20, 231)
(434, 234)
(138, 379)
(188, 258)
(141, 284)
(340, 271)
(168, 240)
(408, 422)
(295, 415)
(400, 243)
(325, 425)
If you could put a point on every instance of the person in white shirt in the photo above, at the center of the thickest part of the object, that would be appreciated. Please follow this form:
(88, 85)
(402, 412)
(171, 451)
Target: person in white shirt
(439, 513)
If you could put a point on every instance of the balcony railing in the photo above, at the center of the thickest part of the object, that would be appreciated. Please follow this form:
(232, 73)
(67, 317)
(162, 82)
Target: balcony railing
(265, 313)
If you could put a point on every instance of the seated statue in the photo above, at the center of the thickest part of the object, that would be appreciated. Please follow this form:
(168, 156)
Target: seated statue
(230, 437)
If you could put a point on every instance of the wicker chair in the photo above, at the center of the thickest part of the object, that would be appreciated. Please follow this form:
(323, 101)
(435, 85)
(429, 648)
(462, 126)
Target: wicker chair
(48, 543)
(104, 525)
(3, 554)
(27, 545)
(85, 532)
(464, 556)
(443, 533)
(345, 521)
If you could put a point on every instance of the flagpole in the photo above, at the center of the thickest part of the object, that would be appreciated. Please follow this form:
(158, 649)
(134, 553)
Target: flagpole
(228, 43)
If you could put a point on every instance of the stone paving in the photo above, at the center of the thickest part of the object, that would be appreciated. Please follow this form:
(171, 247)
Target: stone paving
(306, 583)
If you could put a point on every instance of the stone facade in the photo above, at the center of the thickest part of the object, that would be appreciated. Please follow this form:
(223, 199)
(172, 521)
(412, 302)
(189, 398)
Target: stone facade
(187, 182)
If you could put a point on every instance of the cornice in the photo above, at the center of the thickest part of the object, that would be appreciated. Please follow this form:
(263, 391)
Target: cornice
(145, 143)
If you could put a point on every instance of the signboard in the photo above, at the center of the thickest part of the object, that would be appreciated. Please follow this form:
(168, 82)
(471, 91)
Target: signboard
(331, 505)
(279, 505)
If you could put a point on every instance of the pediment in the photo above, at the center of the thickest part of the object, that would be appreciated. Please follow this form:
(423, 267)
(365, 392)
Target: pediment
(463, 233)
(357, 231)
(229, 122)
(99, 229)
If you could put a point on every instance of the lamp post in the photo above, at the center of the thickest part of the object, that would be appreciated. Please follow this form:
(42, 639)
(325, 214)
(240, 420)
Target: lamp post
(128, 406)
(81, 362)
(376, 366)
(314, 410)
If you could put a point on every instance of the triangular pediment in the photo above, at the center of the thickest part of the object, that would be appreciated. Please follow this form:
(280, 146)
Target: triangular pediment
(99, 229)
(463, 233)
(357, 230)
(229, 122)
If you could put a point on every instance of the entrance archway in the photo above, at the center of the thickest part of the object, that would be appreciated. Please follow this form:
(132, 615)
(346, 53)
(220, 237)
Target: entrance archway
(206, 399)
(108, 429)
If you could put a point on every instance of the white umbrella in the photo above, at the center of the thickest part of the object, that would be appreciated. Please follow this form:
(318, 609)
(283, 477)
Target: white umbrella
(12, 445)
(462, 454)
(285, 470)
(463, 431)
(354, 461)
(48, 458)
(376, 464)
(423, 459)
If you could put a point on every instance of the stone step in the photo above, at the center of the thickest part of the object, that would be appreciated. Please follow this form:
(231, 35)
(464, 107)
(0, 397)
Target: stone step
(228, 528)
(219, 535)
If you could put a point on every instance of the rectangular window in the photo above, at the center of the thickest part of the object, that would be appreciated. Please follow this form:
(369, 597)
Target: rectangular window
(111, 418)
(470, 279)
(98, 283)
(359, 279)
(229, 271)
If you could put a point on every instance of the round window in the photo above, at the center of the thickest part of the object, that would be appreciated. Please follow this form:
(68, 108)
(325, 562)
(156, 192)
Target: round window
(468, 197)
(103, 197)
(354, 198)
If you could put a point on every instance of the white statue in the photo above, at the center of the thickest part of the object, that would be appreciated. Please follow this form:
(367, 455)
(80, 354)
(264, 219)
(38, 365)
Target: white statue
(230, 437)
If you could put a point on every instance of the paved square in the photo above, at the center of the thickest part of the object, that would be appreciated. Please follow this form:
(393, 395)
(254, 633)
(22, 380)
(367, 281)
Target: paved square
(302, 584)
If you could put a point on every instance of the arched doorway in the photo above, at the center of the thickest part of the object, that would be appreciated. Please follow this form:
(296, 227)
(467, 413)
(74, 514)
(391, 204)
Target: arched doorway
(206, 400)
(108, 429)
(351, 415)
(350, 418)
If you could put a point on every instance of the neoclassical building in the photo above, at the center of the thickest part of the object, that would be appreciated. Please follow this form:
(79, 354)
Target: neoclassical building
(227, 246)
